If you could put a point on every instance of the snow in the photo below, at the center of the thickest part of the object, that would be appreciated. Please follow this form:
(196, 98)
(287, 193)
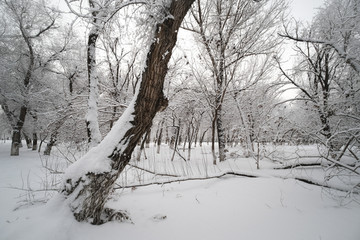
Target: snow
(226, 208)
(92, 113)
(97, 159)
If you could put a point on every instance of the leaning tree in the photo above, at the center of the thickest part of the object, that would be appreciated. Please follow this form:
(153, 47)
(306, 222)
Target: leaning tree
(89, 181)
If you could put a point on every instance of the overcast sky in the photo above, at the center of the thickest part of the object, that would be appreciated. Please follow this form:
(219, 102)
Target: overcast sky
(304, 10)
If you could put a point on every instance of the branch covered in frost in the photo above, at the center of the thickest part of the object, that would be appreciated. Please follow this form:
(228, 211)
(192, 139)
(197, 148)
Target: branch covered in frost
(353, 62)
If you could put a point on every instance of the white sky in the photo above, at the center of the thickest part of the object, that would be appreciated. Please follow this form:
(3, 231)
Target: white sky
(304, 10)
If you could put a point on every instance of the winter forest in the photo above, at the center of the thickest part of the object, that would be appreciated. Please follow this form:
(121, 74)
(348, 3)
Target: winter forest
(179, 119)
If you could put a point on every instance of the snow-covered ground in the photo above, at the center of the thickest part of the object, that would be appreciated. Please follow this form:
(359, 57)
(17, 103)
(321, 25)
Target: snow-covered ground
(226, 208)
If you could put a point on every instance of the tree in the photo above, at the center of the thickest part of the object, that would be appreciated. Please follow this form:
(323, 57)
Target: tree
(28, 22)
(337, 26)
(320, 72)
(89, 181)
(328, 77)
(229, 32)
(118, 83)
(100, 13)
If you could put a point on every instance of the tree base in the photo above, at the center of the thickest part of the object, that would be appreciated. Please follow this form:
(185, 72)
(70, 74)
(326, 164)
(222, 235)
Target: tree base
(112, 215)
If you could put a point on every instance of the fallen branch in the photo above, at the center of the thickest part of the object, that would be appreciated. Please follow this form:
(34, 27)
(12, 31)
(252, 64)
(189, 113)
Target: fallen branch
(299, 165)
(250, 175)
(188, 179)
(343, 165)
(320, 184)
(155, 173)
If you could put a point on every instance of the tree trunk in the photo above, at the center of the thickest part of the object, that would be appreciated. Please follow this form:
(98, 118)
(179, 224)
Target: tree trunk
(27, 140)
(176, 142)
(16, 138)
(221, 134)
(113, 115)
(201, 140)
(42, 139)
(220, 81)
(92, 123)
(248, 141)
(148, 138)
(159, 137)
(197, 130)
(15, 144)
(141, 148)
(35, 144)
(213, 131)
(174, 130)
(50, 144)
(89, 182)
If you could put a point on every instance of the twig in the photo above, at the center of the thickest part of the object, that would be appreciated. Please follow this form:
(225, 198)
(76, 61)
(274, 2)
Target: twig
(179, 154)
(33, 190)
(354, 155)
(340, 164)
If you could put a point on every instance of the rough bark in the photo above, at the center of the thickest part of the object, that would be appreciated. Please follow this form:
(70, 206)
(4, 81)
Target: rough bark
(88, 193)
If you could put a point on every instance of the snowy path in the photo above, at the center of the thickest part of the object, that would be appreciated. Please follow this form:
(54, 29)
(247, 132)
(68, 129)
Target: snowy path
(227, 208)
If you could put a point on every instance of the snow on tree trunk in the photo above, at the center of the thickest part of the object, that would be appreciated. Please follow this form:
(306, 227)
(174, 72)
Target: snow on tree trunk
(89, 181)
(92, 123)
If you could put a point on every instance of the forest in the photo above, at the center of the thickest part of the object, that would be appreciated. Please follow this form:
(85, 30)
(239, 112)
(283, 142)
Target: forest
(112, 97)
